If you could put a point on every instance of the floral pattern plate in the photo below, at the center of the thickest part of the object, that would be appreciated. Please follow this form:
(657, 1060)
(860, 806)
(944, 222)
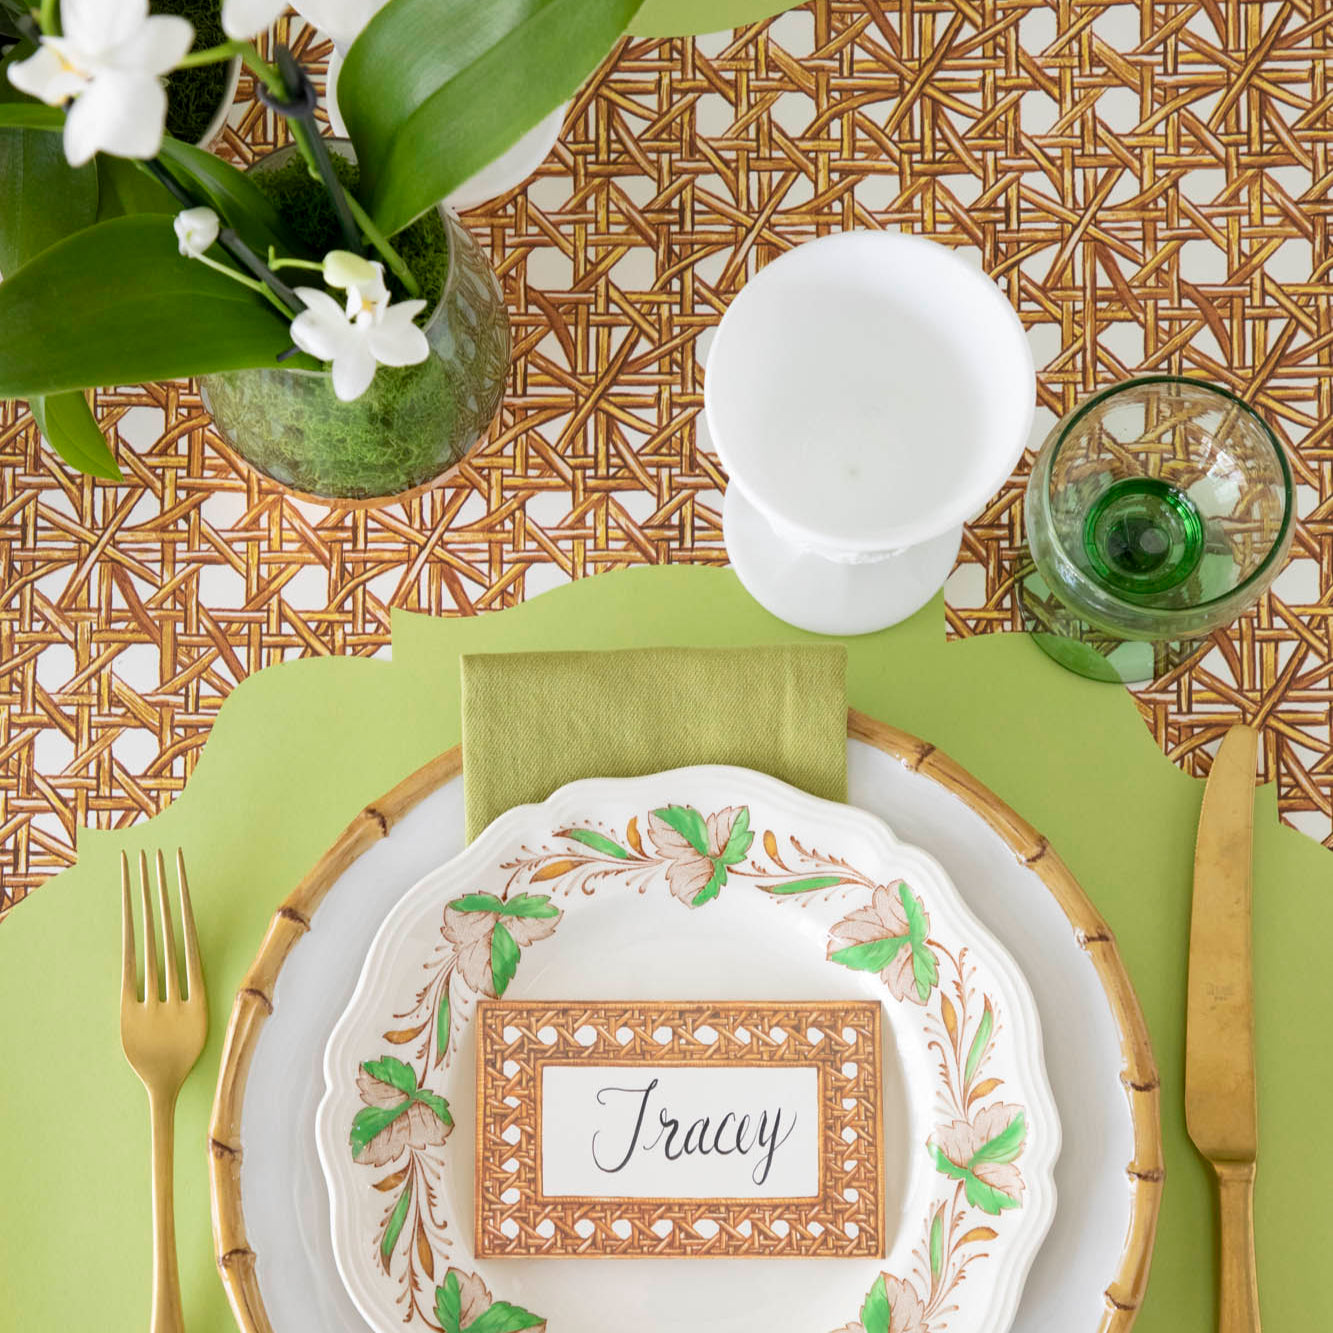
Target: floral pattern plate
(703, 883)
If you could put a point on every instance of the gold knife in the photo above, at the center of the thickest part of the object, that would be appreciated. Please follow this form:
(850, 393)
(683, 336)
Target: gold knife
(1221, 1103)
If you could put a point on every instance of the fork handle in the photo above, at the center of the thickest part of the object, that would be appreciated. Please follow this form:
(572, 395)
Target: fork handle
(1238, 1305)
(167, 1316)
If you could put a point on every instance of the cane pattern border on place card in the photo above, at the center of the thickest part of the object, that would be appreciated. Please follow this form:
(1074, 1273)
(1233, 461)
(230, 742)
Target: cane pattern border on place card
(846, 1219)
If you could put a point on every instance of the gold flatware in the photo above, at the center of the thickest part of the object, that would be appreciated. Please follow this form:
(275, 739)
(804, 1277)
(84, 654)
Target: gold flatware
(162, 1034)
(1221, 1103)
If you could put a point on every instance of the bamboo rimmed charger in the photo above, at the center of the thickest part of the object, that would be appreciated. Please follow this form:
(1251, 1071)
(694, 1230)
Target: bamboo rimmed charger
(254, 1004)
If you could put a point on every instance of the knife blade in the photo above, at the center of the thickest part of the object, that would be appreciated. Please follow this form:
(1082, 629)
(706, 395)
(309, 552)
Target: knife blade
(1221, 1098)
(1221, 1103)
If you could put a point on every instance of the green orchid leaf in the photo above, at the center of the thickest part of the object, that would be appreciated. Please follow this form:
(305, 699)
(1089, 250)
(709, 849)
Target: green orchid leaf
(713, 887)
(32, 116)
(530, 905)
(689, 823)
(116, 303)
(978, 1047)
(937, 1244)
(875, 1312)
(739, 840)
(442, 1019)
(67, 424)
(394, 1227)
(1005, 1146)
(449, 1304)
(232, 194)
(504, 1318)
(123, 188)
(597, 841)
(426, 114)
(373, 1120)
(388, 1069)
(436, 1103)
(872, 956)
(478, 902)
(43, 198)
(504, 958)
(806, 885)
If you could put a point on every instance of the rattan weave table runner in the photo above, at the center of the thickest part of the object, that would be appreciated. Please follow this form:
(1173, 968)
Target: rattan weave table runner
(1149, 184)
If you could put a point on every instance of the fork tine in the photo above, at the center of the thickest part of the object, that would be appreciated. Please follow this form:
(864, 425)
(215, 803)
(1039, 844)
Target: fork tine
(168, 932)
(150, 991)
(194, 972)
(129, 982)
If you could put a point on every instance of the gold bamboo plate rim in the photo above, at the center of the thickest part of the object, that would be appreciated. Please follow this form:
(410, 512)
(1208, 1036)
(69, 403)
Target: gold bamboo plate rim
(254, 1004)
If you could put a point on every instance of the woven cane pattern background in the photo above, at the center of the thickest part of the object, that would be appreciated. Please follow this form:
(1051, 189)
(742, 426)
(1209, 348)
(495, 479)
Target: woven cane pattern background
(1148, 182)
(844, 1221)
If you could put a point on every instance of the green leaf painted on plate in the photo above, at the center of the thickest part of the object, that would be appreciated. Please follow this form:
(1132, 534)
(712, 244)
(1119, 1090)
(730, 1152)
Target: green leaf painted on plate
(373, 1120)
(504, 958)
(937, 1244)
(478, 902)
(713, 887)
(599, 842)
(875, 1312)
(872, 956)
(392, 1071)
(449, 1303)
(806, 885)
(925, 969)
(504, 1318)
(738, 840)
(442, 1025)
(689, 823)
(436, 1103)
(1005, 1146)
(979, 1193)
(393, 1228)
(530, 905)
(978, 1047)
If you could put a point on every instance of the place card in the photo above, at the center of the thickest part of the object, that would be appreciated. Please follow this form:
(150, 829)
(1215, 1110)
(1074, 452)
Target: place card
(700, 1128)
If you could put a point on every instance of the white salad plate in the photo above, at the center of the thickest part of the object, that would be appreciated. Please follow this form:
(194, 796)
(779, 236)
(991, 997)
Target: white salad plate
(707, 883)
(288, 1269)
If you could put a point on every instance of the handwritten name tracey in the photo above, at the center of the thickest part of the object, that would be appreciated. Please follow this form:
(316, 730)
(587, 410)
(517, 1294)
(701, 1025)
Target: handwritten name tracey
(733, 1133)
(680, 1131)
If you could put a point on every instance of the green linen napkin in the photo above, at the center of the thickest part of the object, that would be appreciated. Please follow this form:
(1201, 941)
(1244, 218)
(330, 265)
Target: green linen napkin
(535, 721)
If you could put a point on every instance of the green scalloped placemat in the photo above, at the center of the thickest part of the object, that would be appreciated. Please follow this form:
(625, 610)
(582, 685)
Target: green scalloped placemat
(1073, 757)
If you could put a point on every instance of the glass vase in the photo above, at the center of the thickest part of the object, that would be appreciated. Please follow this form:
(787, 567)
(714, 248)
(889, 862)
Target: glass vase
(410, 427)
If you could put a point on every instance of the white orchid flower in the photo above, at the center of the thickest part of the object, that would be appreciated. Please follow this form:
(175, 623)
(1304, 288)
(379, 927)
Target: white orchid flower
(110, 60)
(371, 331)
(196, 230)
(340, 19)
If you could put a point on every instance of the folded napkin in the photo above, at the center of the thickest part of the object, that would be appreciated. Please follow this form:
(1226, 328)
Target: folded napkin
(535, 721)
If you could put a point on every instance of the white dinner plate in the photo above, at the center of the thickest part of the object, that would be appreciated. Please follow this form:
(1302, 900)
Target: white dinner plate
(707, 883)
(285, 1200)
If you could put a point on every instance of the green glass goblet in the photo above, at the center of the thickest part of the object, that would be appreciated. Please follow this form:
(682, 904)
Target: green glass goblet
(1157, 511)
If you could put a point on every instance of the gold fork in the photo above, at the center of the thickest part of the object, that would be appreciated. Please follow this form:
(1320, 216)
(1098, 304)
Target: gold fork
(162, 1035)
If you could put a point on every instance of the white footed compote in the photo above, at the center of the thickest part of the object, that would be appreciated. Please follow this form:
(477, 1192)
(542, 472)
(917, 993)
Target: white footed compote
(866, 392)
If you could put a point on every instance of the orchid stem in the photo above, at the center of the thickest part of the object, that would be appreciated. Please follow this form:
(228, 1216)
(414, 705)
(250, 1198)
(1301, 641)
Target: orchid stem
(381, 243)
(49, 18)
(275, 263)
(214, 55)
(252, 283)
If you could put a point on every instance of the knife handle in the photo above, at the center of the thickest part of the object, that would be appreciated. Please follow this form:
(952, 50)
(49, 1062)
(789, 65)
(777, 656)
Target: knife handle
(1238, 1307)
